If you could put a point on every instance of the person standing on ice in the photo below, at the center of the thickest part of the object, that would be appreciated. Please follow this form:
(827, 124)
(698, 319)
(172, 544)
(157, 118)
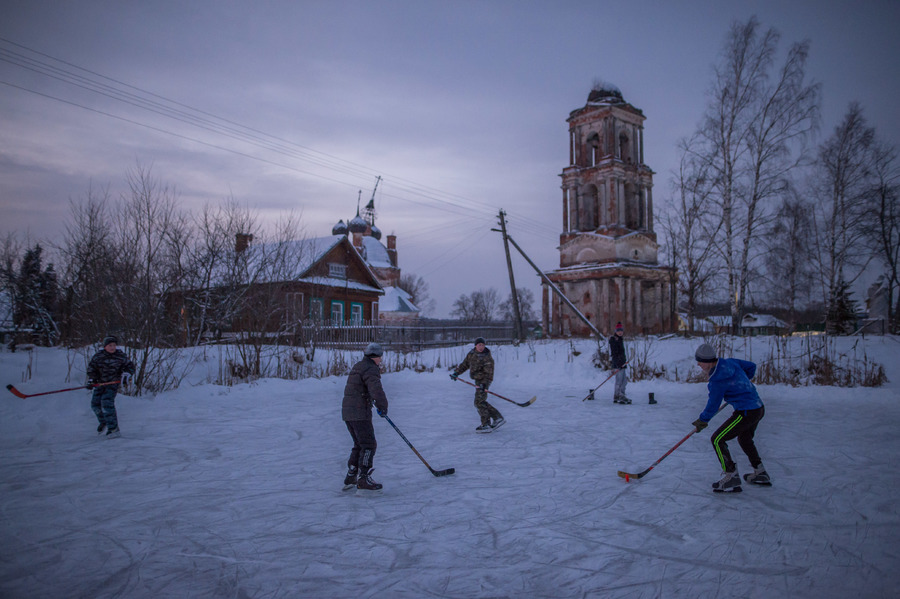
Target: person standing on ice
(729, 380)
(107, 365)
(617, 354)
(363, 388)
(480, 363)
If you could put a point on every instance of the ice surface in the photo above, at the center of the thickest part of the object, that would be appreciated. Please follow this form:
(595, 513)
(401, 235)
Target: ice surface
(236, 492)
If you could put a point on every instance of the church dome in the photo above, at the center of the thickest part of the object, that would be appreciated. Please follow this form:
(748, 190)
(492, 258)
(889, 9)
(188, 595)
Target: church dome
(376, 232)
(358, 225)
(605, 93)
(340, 228)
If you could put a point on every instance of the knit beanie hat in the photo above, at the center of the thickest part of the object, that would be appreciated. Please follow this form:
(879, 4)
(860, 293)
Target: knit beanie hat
(373, 349)
(109, 339)
(479, 340)
(705, 353)
(619, 327)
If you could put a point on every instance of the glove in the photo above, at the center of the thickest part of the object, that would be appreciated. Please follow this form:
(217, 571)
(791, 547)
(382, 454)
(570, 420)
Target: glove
(126, 378)
(90, 384)
(381, 413)
(699, 424)
(454, 376)
(481, 387)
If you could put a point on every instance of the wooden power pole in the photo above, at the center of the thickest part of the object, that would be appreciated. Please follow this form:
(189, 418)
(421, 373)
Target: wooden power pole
(514, 296)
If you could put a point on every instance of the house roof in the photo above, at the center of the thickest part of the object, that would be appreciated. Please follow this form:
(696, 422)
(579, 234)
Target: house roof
(396, 300)
(762, 320)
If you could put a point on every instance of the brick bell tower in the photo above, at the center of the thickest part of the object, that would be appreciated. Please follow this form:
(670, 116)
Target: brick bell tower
(608, 254)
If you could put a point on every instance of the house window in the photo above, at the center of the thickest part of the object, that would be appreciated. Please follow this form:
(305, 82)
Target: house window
(316, 309)
(337, 313)
(338, 271)
(356, 314)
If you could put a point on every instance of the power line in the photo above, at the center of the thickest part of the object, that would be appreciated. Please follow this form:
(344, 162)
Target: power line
(155, 103)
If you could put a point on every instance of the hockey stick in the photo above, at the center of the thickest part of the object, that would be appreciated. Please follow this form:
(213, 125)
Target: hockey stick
(628, 476)
(591, 394)
(402, 436)
(522, 405)
(18, 393)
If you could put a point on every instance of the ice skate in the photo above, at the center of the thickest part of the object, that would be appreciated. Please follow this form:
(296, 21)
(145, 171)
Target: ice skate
(484, 428)
(101, 427)
(113, 433)
(759, 476)
(498, 423)
(350, 479)
(365, 485)
(729, 483)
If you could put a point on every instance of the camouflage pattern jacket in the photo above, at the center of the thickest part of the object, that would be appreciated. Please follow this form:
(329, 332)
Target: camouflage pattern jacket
(363, 388)
(481, 365)
(105, 367)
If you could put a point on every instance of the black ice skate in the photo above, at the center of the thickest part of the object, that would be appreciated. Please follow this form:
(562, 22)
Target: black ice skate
(498, 423)
(484, 428)
(113, 433)
(350, 479)
(101, 427)
(365, 484)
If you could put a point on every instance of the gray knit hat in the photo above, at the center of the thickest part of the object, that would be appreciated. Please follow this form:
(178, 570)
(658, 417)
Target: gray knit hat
(374, 350)
(705, 353)
(110, 339)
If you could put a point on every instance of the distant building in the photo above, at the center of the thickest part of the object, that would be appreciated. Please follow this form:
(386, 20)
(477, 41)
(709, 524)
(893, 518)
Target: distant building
(763, 324)
(608, 262)
(382, 260)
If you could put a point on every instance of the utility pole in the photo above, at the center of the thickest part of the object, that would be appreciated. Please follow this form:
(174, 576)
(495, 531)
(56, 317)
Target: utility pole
(556, 290)
(514, 296)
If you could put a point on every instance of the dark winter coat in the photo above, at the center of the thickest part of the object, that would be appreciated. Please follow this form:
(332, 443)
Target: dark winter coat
(362, 390)
(105, 367)
(617, 351)
(481, 365)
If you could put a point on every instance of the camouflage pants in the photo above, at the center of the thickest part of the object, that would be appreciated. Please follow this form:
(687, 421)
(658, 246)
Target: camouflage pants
(485, 410)
(103, 403)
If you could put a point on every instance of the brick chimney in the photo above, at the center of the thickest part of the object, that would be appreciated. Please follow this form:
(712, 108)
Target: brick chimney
(242, 241)
(392, 248)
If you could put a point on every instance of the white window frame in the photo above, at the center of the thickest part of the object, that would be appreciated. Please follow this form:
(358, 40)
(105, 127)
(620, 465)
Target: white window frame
(340, 312)
(338, 271)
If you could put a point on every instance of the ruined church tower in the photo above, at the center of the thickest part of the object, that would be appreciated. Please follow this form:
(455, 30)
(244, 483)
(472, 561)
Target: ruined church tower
(608, 254)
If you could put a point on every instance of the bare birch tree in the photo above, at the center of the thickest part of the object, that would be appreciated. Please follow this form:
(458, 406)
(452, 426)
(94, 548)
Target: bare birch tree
(753, 134)
(841, 181)
(790, 255)
(690, 229)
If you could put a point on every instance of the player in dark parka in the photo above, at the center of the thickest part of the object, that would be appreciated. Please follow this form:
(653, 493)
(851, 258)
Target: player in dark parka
(107, 365)
(363, 388)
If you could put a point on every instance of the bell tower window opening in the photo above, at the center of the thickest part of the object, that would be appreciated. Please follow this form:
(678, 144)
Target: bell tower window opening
(624, 147)
(593, 147)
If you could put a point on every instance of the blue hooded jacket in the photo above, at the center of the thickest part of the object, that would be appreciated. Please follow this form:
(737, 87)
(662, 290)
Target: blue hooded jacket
(730, 380)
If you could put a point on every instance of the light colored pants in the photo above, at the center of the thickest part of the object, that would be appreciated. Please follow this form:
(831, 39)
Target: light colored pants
(621, 381)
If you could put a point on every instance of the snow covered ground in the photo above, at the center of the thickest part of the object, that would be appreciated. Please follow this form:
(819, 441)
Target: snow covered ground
(236, 492)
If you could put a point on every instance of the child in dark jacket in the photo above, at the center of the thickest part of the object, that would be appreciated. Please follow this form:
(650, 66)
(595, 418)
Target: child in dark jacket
(107, 368)
(362, 390)
(729, 380)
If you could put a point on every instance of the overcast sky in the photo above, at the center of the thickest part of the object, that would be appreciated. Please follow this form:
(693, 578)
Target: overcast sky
(461, 107)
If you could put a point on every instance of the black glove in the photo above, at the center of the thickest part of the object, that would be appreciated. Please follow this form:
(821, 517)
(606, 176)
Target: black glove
(90, 384)
(699, 424)
(454, 375)
(381, 413)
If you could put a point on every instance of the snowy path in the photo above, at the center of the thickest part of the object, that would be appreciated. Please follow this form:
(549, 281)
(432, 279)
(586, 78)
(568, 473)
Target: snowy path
(235, 492)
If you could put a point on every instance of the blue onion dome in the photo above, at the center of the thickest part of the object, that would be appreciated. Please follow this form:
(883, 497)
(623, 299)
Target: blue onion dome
(376, 232)
(358, 225)
(340, 228)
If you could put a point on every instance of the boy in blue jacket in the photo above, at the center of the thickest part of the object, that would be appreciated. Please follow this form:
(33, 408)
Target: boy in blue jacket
(729, 379)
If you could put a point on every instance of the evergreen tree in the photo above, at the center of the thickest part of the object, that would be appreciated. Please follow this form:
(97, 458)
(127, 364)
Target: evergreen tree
(841, 316)
(35, 300)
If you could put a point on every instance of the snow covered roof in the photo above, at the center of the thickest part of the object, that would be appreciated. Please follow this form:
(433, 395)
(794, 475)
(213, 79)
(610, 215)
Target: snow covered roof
(341, 283)
(762, 320)
(358, 224)
(396, 300)
(375, 253)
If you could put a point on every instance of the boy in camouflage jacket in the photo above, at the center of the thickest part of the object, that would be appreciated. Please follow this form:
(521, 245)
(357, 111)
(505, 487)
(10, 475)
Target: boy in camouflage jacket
(109, 364)
(480, 363)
